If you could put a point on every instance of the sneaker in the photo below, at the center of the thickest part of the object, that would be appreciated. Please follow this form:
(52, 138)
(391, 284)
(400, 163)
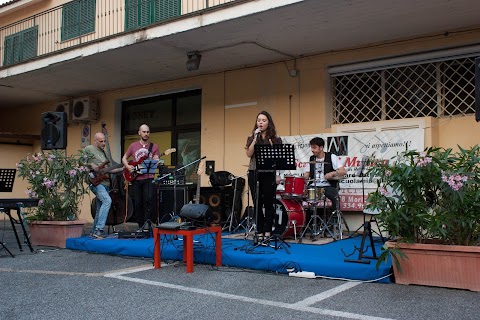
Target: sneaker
(99, 234)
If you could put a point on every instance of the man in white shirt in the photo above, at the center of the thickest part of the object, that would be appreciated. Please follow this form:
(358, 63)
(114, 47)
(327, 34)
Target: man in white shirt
(325, 170)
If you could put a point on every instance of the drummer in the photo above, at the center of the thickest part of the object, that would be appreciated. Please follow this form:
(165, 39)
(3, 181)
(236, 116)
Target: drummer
(326, 170)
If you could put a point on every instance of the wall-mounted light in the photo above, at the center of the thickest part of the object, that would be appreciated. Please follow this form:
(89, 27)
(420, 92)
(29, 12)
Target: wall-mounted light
(193, 61)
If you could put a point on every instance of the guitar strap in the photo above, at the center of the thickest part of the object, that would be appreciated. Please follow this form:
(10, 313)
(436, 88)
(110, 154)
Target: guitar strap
(150, 150)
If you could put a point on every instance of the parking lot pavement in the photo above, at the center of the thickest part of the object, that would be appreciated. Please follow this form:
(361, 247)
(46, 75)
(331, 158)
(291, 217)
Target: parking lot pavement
(65, 284)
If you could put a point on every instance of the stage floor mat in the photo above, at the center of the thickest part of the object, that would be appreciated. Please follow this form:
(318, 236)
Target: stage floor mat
(325, 260)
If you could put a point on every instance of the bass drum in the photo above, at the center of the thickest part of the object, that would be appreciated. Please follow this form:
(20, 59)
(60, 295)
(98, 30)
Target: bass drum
(117, 214)
(289, 219)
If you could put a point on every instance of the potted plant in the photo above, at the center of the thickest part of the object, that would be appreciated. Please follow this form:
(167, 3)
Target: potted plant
(429, 202)
(59, 181)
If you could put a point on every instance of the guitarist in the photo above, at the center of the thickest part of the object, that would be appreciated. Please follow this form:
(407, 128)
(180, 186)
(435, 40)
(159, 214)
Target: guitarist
(100, 162)
(143, 187)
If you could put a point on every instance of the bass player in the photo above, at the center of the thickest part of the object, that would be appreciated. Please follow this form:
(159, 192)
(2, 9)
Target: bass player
(143, 187)
(100, 184)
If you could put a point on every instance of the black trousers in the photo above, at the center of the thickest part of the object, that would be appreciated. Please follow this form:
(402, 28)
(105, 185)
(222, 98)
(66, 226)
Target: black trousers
(332, 194)
(266, 198)
(144, 194)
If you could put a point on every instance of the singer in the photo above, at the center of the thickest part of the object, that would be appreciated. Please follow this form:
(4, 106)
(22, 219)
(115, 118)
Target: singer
(263, 133)
(326, 170)
(142, 185)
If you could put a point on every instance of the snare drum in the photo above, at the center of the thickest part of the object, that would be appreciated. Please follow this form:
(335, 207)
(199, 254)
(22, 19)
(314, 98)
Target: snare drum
(289, 218)
(314, 193)
(294, 186)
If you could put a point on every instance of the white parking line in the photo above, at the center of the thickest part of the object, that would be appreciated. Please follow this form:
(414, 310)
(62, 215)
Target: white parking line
(326, 294)
(300, 306)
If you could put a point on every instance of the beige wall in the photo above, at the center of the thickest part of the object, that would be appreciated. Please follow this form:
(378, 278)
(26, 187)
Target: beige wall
(11, 154)
(231, 100)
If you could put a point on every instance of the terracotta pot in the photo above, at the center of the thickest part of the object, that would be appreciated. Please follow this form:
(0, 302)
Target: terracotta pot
(439, 265)
(54, 233)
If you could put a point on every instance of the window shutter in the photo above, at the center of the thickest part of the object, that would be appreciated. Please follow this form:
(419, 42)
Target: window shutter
(131, 15)
(29, 43)
(87, 16)
(70, 20)
(144, 10)
(12, 49)
(165, 9)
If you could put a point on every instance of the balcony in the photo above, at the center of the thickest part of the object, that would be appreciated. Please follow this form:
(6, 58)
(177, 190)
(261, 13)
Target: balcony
(54, 55)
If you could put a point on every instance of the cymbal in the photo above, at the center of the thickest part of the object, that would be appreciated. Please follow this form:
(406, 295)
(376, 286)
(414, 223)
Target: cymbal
(313, 162)
(338, 178)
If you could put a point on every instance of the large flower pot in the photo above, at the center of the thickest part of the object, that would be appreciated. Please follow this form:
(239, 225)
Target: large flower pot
(439, 265)
(54, 233)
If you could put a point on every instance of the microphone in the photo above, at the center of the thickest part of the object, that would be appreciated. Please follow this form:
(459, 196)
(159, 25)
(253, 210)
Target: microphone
(363, 163)
(258, 132)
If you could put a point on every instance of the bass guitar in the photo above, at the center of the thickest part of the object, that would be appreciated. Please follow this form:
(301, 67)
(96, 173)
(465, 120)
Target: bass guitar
(138, 165)
(96, 177)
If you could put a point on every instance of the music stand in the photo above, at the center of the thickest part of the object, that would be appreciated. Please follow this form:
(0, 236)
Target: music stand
(271, 158)
(149, 166)
(7, 177)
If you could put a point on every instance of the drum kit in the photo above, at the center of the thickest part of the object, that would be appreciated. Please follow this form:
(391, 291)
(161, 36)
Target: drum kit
(299, 196)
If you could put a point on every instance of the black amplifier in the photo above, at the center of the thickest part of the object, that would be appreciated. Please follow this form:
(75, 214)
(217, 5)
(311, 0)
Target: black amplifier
(171, 176)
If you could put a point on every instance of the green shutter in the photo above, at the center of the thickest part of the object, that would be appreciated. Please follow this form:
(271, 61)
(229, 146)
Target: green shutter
(140, 13)
(166, 9)
(12, 52)
(131, 15)
(30, 43)
(87, 16)
(144, 13)
(78, 18)
(70, 19)
(21, 46)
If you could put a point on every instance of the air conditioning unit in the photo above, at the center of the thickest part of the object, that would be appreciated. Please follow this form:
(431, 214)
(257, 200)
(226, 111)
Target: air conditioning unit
(64, 106)
(85, 109)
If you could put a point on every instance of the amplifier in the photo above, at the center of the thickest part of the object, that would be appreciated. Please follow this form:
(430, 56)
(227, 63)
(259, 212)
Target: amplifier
(175, 177)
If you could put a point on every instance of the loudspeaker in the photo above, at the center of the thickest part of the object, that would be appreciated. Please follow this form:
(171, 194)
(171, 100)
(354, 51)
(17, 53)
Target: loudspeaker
(165, 201)
(54, 130)
(477, 89)
(220, 200)
(196, 213)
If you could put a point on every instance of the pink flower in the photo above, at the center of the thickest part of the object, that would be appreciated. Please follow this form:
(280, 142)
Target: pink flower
(383, 191)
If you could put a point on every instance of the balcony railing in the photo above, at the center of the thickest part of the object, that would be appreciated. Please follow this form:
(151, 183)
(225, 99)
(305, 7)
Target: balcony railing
(82, 21)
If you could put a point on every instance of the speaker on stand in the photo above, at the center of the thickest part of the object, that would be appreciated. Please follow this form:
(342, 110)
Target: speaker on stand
(54, 130)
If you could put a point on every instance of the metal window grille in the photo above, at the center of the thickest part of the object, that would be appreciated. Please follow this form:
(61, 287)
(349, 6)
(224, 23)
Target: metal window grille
(438, 89)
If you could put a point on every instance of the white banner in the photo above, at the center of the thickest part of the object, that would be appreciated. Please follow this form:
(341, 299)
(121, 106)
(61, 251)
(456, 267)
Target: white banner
(350, 148)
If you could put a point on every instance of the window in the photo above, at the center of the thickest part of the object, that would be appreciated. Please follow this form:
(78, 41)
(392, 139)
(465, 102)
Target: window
(174, 121)
(21, 46)
(140, 13)
(78, 18)
(439, 89)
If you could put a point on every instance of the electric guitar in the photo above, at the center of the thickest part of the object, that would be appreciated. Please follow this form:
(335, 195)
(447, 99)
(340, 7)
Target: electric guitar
(96, 177)
(138, 165)
(199, 173)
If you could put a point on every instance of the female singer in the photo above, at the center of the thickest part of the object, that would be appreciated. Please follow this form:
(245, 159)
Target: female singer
(263, 133)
